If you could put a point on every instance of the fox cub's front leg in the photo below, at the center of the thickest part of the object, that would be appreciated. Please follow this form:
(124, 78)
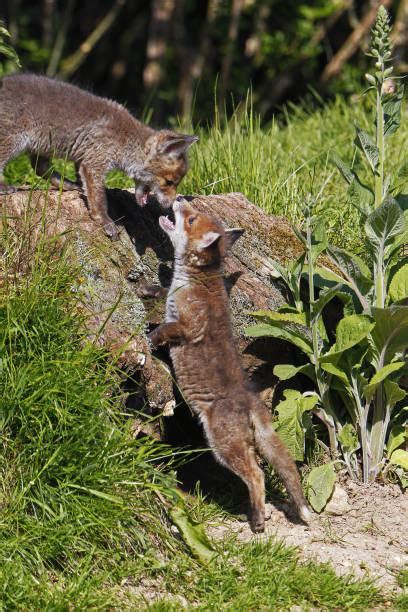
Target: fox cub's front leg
(167, 333)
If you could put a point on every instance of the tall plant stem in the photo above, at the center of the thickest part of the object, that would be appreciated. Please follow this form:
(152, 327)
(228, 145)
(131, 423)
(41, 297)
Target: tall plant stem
(313, 323)
(321, 383)
(379, 188)
(379, 175)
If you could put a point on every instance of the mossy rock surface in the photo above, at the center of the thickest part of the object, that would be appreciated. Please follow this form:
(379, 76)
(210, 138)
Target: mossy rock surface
(112, 273)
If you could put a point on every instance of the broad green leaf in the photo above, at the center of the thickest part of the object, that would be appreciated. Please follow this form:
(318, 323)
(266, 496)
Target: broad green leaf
(384, 224)
(398, 436)
(353, 267)
(326, 295)
(292, 394)
(390, 334)
(398, 243)
(324, 277)
(398, 289)
(319, 240)
(345, 171)
(360, 197)
(392, 111)
(330, 368)
(400, 457)
(289, 425)
(350, 331)
(291, 335)
(393, 393)
(320, 484)
(379, 376)
(364, 142)
(193, 534)
(287, 371)
(299, 235)
(296, 266)
(348, 439)
(280, 317)
(402, 477)
(277, 270)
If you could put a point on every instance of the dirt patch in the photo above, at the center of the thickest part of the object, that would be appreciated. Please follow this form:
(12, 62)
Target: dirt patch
(369, 540)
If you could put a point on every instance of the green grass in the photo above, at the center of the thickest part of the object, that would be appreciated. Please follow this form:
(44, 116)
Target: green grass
(401, 601)
(275, 166)
(80, 498)
(265, 575)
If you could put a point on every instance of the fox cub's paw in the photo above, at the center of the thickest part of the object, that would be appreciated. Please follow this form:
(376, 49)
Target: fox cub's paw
(111, 231)
(153, 339)
(305, 514)
(151, 291)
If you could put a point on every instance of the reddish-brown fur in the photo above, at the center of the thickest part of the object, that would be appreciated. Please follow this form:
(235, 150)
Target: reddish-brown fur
(207, 364)
(50, 118)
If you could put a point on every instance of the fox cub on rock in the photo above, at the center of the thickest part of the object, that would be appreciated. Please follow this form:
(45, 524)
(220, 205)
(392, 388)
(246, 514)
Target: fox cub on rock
(207, 364)
(47, 117)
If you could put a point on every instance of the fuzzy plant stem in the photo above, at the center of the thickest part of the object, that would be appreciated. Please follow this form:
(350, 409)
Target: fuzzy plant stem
(321, 383)
(364, 438)
(379, 175)
(315, 332)
(379, 187)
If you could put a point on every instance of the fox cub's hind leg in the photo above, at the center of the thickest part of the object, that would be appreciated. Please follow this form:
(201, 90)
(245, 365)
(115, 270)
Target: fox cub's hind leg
(243, 463)
(239, 457)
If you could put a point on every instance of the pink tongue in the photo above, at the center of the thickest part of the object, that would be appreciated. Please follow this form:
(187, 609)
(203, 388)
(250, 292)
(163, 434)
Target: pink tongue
(144, 198)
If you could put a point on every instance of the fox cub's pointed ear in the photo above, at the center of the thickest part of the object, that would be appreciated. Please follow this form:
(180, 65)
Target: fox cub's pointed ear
(177, 144)
(207, 240)
(231, 235)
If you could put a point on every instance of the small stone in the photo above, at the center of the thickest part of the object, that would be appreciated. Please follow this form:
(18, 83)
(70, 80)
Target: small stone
(141, 359)
(169, 407)
(338, 503)
(268, 511)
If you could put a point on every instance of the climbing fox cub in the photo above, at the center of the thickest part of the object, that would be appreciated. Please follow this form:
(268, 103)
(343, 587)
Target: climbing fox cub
(207, 364)
(47, 117)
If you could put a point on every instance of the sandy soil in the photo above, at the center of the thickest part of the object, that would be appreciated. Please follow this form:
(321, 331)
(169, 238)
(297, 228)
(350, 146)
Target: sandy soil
(368, 539)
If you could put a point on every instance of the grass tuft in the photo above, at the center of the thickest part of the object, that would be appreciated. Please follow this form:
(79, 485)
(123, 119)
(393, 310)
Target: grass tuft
(80, 498)
(265, 574)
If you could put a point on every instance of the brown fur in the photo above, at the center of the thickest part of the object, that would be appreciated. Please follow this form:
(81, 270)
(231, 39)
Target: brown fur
(47, 117)
(207, 363)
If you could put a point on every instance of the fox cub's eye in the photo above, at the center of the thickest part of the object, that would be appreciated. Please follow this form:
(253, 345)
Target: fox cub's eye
(191, 220)
(170, 183)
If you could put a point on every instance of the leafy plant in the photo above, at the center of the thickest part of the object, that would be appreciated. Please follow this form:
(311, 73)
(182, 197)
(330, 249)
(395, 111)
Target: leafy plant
(357, 370)
(6, 50)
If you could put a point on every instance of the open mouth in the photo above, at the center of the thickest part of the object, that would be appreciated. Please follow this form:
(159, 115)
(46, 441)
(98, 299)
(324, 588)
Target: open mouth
(166, 224)
(145, 198)
(143, 195)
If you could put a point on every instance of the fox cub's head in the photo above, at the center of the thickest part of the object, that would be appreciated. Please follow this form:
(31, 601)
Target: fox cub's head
(199, 240)
(165, 166)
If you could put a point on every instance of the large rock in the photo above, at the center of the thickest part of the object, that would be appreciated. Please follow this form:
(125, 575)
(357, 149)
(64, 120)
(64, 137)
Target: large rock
(113, 273)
